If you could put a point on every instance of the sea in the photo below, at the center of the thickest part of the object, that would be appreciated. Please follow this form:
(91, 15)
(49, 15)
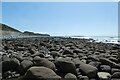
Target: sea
(104, 39)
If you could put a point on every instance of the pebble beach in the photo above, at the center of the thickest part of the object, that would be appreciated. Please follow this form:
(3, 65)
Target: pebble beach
(59, 58)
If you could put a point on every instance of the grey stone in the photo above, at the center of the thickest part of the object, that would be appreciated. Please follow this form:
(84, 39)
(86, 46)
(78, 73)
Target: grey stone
(66, 65)
(44, 62)
(116, 75)
(95, 64)
(24, 66)
(70, 76)
(109, 62)
(115, 70)
(105, 68)
(104, 75)
(41, 73)
(89, 70)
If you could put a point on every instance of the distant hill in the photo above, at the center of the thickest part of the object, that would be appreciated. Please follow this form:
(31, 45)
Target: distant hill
(32, 33)
(8, 28)
(9, 32)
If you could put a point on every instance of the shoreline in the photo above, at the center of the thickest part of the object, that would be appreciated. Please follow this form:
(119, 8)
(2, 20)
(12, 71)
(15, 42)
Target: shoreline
(108, 40)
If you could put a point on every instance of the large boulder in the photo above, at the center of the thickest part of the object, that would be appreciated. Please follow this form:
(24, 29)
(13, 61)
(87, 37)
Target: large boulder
(65, 65)
(80, 77)
(44, 62)
(70, 76)
(116, 75)
(114, 70)
(41, 73)
(89, 70)
(10, 65)
(5, 65)
(19, 56)
(104, 75)
(36, 58)
(105, 68)
(14, 63)
(24, 66)
(109, 62)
